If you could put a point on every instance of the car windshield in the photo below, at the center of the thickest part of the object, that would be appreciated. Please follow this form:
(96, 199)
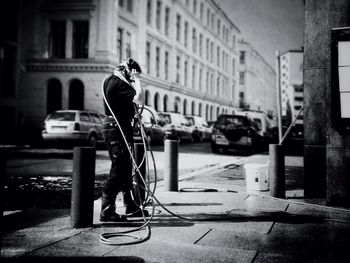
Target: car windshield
(165, 117)
(258, 123)
(231, 120)
(190, 120)
(62, 116)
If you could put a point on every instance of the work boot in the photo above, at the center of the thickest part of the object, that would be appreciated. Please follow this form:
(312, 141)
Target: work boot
(131, 208)
(108, 213)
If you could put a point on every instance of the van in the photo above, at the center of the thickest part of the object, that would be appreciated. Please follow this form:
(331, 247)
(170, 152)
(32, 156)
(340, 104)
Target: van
(262, 121)
(176, 126)
(200, 128)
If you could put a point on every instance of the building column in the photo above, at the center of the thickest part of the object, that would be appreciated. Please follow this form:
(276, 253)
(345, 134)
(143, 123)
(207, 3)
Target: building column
(69, 39)
(326, 152)
(107, 28)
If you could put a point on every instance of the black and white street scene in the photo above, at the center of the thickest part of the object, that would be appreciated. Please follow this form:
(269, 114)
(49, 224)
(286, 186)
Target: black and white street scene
(175, 131)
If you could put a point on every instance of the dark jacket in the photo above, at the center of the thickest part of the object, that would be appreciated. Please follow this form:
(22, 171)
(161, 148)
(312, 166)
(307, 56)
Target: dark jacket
(119, 95)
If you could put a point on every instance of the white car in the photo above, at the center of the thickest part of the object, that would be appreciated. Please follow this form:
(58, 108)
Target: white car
(152, 124)
(176, 126)
(200, 128)
(73, 126)
(263, 122)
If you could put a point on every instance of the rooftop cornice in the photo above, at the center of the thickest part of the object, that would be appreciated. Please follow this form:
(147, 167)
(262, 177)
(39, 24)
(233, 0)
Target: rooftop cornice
(69, 65)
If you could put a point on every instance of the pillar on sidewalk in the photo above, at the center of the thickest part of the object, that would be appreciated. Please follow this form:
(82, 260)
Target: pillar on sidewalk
(171, 169)
(83, 183)
(277, 171)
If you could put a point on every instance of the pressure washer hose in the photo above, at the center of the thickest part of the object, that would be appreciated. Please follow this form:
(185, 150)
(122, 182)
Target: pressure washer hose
(106, 238)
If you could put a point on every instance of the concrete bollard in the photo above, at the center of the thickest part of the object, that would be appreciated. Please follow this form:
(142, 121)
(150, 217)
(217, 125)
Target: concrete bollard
(139, 192)
(171, 152)
(277, 171)
(83, 184)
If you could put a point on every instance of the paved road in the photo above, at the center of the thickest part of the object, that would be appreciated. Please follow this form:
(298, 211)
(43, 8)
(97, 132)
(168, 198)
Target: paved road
(31, 162)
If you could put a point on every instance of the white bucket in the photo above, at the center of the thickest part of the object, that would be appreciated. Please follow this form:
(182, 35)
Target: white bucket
(257, 176)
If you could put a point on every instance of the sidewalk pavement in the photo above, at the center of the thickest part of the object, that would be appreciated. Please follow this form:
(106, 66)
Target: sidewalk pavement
(227, 224)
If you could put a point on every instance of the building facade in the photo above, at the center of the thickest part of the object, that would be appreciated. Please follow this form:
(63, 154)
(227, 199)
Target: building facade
(291, 84)
(256, 81)
(189, 57)
(65, 49)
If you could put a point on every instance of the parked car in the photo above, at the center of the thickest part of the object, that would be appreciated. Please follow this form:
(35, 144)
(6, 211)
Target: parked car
(176, 126)
(200, 128)
(211, 125)
(235, 132)
(263, 122)
(73, 127)
(153, 125)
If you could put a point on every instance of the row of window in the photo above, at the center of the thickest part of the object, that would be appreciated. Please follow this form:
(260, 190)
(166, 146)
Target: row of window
(221, 30)
(58, 35)
(182, 77)
(194, 109)
(179, 23)
(124, 38)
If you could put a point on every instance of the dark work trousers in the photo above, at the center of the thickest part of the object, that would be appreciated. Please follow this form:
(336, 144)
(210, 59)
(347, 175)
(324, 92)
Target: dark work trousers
(120, 175)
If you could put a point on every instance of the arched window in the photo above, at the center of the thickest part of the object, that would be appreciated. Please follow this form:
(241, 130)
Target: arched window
(156, 102)
(185, 107)
(217, 112)
(147, 95)
(193, 108)
(177, 103)
(165, 103)
(207, 112)
(200, 109)
(54, 96)
(76, 95)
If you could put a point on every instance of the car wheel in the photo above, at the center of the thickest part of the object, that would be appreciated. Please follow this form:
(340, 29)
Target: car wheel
(93, 141)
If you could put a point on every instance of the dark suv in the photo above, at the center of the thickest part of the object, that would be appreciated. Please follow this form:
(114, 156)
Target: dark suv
(235, 132)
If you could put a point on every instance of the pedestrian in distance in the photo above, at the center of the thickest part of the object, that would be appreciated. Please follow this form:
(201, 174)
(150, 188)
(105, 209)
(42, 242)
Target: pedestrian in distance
(121, 95)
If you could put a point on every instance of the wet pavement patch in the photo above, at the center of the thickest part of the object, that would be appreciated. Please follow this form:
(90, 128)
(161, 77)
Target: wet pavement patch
(50, 192)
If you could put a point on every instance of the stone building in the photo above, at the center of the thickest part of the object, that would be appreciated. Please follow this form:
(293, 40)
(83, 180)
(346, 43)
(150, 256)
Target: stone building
(188, 50)
(65, 49)
(326, 148)
(256, 81)
(291, 84)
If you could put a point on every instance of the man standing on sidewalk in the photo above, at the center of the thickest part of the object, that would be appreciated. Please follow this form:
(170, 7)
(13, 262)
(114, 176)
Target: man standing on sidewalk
(119, 96)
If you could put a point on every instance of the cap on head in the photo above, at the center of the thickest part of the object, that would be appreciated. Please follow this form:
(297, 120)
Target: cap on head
(130, 64)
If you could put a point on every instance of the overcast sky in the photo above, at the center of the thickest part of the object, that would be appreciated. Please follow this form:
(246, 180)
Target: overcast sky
(269, 25)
